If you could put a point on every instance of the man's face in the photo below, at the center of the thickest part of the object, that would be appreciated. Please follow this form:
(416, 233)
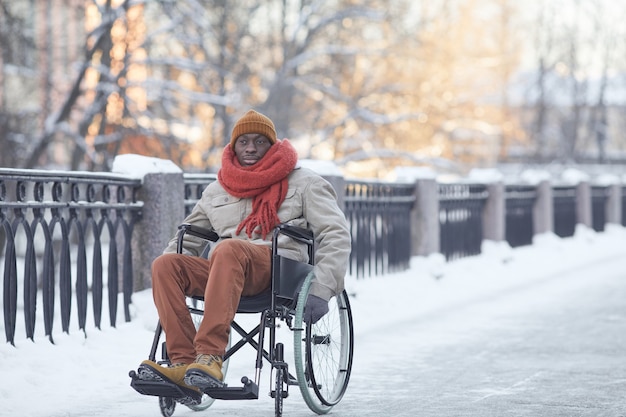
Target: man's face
(250, 148)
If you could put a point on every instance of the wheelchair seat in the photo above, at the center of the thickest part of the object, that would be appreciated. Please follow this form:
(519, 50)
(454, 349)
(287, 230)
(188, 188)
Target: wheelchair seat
(255, 303)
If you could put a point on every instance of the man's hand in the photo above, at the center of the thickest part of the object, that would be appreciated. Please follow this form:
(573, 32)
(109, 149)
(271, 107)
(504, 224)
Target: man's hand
(314, 309)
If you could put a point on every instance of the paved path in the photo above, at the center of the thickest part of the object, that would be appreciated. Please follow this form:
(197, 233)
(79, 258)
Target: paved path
(552, 348)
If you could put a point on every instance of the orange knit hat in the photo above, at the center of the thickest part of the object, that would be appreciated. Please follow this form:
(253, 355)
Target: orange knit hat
(253, 122)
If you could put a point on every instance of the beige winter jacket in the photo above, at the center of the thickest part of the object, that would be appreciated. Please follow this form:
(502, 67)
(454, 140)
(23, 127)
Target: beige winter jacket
(311, 203)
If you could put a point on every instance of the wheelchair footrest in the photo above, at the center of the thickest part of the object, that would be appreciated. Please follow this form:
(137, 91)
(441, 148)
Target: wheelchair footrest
(249, 391)
(164, 389)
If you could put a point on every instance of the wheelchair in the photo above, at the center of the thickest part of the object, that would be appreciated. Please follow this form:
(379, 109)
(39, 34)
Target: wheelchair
(322, 352)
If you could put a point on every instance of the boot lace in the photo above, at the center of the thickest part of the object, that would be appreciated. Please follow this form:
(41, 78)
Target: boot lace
(204, 359)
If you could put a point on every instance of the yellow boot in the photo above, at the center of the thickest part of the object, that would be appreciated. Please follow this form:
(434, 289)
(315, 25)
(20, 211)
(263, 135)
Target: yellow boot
(205, 372)
(174, 373)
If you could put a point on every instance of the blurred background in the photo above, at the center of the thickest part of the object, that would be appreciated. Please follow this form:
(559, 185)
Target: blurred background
(371, 85)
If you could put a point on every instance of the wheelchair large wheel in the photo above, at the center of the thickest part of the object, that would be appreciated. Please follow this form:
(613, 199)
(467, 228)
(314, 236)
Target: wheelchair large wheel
(323, 352)
(196, 310)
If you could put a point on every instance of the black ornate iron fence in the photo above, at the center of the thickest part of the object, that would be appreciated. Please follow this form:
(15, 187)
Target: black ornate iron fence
(520, 201)
(599, 198)
(461, 219)
(55, 230)
(564, 203)
(65, 237)
(194, 186)
(380, 225)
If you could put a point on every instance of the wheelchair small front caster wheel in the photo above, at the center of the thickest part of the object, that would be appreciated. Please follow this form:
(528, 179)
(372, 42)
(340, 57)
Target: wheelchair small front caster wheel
(167, 405)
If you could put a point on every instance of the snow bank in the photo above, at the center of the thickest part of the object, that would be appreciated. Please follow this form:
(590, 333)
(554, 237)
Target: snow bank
(488, 176)
(324, 168)
(412, 174)
(138, 166)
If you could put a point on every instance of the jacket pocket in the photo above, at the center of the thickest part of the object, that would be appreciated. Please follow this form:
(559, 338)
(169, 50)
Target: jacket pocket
(291, 207)
(225, 213)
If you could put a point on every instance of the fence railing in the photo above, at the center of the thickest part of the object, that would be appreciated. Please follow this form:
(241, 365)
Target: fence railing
(460, 219)
(599, 198)
(565, 219)
(520, 201)
(55, 230)
(71, 239)
(194, 186)
(380, 225)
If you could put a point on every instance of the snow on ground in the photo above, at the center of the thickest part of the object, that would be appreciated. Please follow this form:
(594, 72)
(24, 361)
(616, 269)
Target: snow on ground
(80, 376)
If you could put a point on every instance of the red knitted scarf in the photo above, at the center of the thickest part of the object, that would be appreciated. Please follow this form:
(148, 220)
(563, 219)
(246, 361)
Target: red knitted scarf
(265, 182)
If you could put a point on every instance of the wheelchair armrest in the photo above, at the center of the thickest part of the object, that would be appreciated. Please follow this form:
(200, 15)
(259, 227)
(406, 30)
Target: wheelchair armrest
(200, 232)
(295, 232)
(193, 230)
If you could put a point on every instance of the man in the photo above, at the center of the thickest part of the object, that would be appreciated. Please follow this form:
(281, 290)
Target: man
(259, 186)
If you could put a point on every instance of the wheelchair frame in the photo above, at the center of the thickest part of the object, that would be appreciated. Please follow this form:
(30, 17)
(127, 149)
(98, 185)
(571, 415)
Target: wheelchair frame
(323, 351)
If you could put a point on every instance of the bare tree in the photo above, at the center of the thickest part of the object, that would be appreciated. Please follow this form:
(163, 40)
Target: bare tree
(575, 40)
(16, 40)
(347, 80)
(215, 60)
(543, 44)
(606, 43)
(203, 63)
(59, 122)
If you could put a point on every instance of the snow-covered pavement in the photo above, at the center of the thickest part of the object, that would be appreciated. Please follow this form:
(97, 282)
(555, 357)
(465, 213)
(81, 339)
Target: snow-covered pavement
(532, 331)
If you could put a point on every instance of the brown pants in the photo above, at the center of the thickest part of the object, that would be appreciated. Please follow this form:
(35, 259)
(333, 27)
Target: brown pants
(235, 268)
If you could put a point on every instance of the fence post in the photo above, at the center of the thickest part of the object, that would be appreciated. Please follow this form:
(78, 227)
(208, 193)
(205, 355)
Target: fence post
(329, 171)
(494, 213)
(543, 211)
(162, 193)
(583, 203)
(425, 218)
(614, 204)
